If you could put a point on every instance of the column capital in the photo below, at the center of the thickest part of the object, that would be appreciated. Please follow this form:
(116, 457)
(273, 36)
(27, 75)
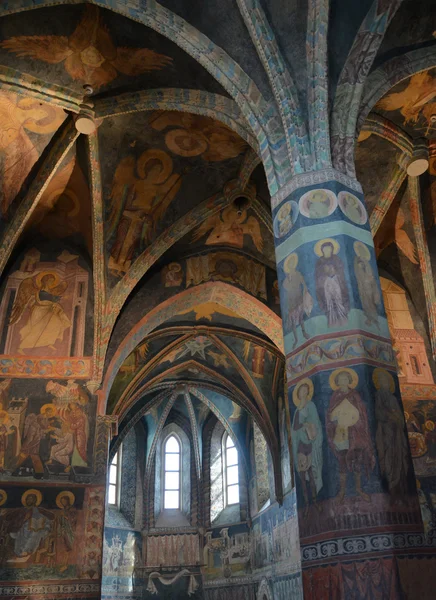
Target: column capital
(312, 178)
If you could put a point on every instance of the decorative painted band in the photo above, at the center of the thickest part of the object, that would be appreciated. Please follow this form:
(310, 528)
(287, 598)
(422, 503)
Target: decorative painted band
(366, 544)
(314, 178)
(45, 367)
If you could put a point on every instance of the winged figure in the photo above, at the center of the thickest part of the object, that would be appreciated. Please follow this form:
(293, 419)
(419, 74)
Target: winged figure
(138, 203)
(229, 228)
(46, 322)
(397, 234)
(415, 100)
(89, 54)
(18, 116)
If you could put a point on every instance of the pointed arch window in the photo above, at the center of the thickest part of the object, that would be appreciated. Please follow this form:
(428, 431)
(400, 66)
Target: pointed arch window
(114, 479)
(231, 471)
(172, 463)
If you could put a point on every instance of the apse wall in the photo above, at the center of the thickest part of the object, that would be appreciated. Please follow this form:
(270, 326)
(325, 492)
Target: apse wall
(242, 559)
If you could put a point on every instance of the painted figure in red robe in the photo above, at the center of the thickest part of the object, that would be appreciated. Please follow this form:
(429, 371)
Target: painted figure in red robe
(348, 430)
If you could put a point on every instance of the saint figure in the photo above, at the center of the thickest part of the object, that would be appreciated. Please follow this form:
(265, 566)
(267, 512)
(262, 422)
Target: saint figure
(348, 431)
(29, 526)
(331, 287)
(65, 525)
(299, 302)
(390, 439)
(307, 441)
(47, 320)
(366, 283)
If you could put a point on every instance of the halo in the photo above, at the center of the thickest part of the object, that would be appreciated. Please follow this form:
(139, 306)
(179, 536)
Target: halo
(56, 194)
(362, 250)
(290, 261)
(3, 497)
(320, 244)
(429, 425)
(284, 210)
(318, 195)
(32, 492)
(354, 377)
(406, 415)
(174, 267)
(43, 274)
(295, 397)
(196, 149)
(162, 157)
(66, 494)
(54, 116)
(376, 378)
(4, 414)
(44, 408)
(342, 197)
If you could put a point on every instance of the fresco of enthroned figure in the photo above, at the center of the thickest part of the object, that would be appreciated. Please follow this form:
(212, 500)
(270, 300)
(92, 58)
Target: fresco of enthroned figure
(44, 307)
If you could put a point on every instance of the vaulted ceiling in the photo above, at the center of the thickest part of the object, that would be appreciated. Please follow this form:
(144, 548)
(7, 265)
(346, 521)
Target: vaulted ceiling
(167, 200)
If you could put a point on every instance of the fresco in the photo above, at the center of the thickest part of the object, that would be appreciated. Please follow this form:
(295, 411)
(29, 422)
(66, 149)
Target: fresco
(64, 210)
(412, 102)
(88, 54)
(40, 528)
(45, 430)
(142, 190)
(229, 227)
(26, 127)
(43, 309)
(194, 135)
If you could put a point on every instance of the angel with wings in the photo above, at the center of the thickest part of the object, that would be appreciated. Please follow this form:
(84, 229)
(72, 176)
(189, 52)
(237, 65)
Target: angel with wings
(142, 191)
(89, 54)
(229, 228)
(46, 322)
(18, 116)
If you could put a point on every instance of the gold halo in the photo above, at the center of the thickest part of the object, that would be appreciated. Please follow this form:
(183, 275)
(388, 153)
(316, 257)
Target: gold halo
(284, 210)
(67, 494)
(174, 267)
(4, 414)
(290, 261)
(319, 195)
(354, 377)
(376, 378)
(406, 415)
(362, 250)
(318, 246)
(295, 397)
(44, 408)
(54, 116)
(43, 274)
(162, 157)
(173, 145)
(429, 425)
(32, 492)
(3, 497)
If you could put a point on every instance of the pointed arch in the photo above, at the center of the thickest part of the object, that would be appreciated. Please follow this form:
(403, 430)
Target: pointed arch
(223, 294)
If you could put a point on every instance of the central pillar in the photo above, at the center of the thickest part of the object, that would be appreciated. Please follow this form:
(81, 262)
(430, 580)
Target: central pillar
(359, 520)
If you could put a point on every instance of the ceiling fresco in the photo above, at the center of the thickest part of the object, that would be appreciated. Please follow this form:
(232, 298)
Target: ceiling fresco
(27, 127)
(73, 46)
(159, 166)
(411, 104)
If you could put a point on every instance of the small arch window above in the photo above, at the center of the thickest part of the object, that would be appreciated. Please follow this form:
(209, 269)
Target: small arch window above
(172, 473)
(231, 470)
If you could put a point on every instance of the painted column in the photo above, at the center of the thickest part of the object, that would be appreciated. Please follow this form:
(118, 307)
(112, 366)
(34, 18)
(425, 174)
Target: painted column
(358, 513)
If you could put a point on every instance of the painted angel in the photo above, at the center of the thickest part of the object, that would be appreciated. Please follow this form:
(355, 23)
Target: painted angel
(229, 228)
(394, 232)
(18, 116)
(47, 320)
(89, 54)
(415, 100)
(142, 191)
